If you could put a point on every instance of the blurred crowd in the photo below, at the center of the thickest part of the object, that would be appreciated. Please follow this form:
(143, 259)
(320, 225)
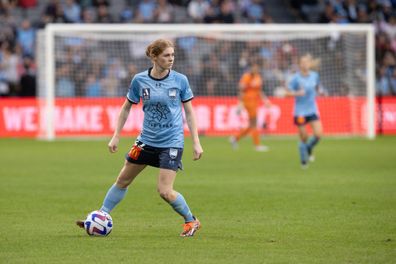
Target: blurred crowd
(20, 21)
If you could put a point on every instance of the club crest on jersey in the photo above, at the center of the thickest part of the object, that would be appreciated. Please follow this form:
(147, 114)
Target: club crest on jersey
(146, 93)
(173, 153)
(172, 93)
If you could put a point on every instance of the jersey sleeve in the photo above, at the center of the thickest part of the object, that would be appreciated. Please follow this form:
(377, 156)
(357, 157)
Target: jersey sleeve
(186, 93)
(293, 83)
(133, 92)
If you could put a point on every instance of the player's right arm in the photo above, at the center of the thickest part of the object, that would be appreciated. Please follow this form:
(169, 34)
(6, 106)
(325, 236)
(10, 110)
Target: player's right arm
(122, 117)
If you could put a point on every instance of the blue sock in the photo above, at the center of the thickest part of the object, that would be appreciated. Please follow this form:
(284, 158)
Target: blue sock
(302, 148)
(113, 197)
(312, 141)
(181, 207)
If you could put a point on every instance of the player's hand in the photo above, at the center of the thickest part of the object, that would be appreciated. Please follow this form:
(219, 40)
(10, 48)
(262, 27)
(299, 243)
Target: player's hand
(197, 151)
(113, 144)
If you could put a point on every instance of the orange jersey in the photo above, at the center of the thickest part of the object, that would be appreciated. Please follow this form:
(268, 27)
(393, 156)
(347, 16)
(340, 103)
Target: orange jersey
(252, 84)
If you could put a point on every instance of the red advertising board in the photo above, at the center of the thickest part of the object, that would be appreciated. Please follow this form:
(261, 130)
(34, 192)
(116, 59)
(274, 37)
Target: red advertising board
(215, 115)
(387, 115)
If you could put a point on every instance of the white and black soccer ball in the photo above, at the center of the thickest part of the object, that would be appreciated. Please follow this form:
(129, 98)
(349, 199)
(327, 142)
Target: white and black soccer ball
(98, 223)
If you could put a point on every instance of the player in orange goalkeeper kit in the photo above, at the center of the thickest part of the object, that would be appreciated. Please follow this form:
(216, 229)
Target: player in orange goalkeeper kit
(250, 98)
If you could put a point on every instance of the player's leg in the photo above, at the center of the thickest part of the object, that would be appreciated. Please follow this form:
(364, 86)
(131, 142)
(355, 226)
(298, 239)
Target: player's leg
(316, 126)
(166, 179)
(118, 190)
(244, 131)
(302, 146)
(256, 132)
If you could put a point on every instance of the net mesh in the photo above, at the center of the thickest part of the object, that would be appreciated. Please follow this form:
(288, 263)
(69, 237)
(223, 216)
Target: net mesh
(101, 64)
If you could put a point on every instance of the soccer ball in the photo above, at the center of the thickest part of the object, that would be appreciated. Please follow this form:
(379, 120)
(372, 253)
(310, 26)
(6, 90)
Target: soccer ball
(98, 223)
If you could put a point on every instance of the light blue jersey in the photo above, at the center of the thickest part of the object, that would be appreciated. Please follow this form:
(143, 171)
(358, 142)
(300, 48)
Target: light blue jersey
(162, 106)
(305, 105)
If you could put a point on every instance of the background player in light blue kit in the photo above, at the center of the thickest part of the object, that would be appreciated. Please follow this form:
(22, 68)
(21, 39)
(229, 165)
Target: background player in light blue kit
(304, 86)
(163, 92)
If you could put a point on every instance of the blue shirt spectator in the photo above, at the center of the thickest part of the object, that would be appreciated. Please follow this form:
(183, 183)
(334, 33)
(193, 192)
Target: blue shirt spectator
(72, 11)
(26, 38)
(146, 10)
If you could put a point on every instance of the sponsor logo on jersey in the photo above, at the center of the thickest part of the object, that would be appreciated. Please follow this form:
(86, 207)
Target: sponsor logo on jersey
(146, 93)
(172, 93)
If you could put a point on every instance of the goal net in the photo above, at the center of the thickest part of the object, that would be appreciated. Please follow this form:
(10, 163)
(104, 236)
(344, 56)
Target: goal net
(85, 71)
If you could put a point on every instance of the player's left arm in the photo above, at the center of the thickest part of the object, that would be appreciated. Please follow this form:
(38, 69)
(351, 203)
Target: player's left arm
(319, 88)
(192, 126)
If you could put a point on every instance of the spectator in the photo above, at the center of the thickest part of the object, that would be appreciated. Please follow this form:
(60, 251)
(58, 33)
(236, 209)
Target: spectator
(65, 87)
(54, 10)
(72, 12)
(146, 11)
(310, 10)
(382, 83)
(88, 16)
(9, 66)
(362, 16)
(351, 10)
(327, 15)
(97, 3)
(27, 3)
(28, 78)
(226, 14)
(93, 87)
(126, 15)
(197, 10)
(103, 15)
(164, 12)
(392, 82)
(26, 38)
(212, 12)
(255, 12)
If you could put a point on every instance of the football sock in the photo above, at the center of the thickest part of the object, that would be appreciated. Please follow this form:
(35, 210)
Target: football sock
(302, 148)
(113, 197)
(312, 141)
(256, 136)
(181, 207)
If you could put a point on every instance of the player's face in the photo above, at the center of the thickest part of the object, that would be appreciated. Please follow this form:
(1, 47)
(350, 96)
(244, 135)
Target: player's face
(305, 63)
(165, 59)
(255, 69)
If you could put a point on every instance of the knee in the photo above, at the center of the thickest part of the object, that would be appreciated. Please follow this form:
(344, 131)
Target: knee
(304, 138)
(166, 194)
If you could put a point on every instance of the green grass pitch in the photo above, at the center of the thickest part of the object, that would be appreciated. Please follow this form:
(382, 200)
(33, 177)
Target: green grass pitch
(254, 207)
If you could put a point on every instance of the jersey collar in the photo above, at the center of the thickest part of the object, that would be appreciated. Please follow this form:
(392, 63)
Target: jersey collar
(155, 79)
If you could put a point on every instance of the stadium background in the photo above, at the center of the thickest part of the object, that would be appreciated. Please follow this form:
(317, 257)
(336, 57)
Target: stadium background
(254, 207)
(108, 74)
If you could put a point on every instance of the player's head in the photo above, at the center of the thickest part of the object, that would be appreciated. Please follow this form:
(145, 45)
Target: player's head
(255, 68)
(307, 62)
(162, 53)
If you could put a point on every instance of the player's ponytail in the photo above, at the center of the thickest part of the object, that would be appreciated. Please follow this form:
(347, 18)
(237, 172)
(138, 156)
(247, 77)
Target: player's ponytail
(157, 47)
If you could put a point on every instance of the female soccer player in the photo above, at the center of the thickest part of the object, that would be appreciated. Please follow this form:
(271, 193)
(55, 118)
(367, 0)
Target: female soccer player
(250, 98)
(304, 86)
(162, 91)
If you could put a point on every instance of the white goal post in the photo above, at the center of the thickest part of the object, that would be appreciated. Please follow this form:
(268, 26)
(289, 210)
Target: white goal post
(346, 52)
